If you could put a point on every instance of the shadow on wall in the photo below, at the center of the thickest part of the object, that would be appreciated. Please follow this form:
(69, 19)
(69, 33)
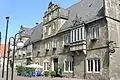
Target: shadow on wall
(95, 77)
(92, 43)
(79, 58)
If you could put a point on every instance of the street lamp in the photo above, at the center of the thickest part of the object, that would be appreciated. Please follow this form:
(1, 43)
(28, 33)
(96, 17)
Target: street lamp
(8, 56)
(7, 18)
(15, 44)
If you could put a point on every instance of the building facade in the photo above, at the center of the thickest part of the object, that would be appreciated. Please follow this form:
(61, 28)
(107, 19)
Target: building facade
(82, 40)
(2, 57)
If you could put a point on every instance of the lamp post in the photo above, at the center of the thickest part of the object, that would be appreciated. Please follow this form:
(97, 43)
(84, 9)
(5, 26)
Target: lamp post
(14, 44)
(8, 56)
(7, 18)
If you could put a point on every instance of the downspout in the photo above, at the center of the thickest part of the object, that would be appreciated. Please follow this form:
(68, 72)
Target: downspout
(107, 36)
(85, 54)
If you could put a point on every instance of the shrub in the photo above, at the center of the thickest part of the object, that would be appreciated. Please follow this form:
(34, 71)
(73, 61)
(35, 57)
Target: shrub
(46, 73)
(29, 70)
(53, 73)
(20, 70)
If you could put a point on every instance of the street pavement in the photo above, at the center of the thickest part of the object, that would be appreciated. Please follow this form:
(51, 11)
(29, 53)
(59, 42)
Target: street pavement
(39, 78)
(34, 78)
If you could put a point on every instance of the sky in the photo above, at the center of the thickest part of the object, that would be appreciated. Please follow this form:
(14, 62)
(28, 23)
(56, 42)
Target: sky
(26, 13)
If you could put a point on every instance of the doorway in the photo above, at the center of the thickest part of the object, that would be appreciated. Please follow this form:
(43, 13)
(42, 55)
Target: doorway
(55, 63)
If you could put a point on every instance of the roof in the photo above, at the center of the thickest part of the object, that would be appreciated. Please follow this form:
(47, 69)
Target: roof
(27, 42)
(87, 10)
(2, 50)
(36, 35)
(26, 32)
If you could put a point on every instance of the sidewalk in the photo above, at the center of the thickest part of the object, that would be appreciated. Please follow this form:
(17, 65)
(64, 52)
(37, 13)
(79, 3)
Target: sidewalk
(40, 78)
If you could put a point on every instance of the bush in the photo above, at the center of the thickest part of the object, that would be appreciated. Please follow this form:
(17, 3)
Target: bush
(20, 70)
(53, 73)
(46, 73)
(29, 70)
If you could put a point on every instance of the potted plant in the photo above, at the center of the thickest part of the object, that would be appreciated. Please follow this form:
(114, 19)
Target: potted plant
(53, 73)
(46, 73)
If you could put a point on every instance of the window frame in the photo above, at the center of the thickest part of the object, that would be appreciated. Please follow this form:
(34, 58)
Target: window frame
(94, 31)
(49, 30)
(78, 34)
(46, 62)
(94, 69)
(69, 64)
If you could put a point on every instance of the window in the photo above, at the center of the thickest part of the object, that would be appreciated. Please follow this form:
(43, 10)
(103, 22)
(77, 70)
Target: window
(68, 66)
(66, 38)
(45, 45)
(78, 38)
(49, 31)
(45, 19)
(23, 55)
(71, 36)
(45, 29)
(78, 34)
(46, 65)
(75, 35)
(54, 25)
(54, 43)
(93, 65)
(50, 17)
(48, 45)
(19, 56)
(38, 54)
(94, 31)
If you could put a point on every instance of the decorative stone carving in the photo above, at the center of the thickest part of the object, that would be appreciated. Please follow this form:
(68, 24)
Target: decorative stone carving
(77, 21)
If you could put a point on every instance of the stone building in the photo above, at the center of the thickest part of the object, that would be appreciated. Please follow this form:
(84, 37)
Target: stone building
(83, 40)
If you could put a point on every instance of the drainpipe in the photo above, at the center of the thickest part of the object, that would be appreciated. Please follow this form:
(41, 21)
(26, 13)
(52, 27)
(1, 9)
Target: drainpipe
(85, 51)
(73, 57)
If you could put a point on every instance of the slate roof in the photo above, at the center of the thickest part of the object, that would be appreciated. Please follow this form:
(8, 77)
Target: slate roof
(36, 35)
(63, 13)
(27, 32)
(27, 42)
(86, 9)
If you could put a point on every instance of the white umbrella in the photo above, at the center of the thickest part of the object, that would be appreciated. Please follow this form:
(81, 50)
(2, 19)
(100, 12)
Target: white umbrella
(34, 66)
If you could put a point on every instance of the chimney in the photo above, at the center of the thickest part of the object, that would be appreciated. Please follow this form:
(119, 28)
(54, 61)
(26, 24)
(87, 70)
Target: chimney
(36, 23)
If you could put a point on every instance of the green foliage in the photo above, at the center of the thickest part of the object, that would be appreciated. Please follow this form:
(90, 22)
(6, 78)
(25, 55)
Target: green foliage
(46, 73)
(53, 73)
(20, 70)
(29, 70)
